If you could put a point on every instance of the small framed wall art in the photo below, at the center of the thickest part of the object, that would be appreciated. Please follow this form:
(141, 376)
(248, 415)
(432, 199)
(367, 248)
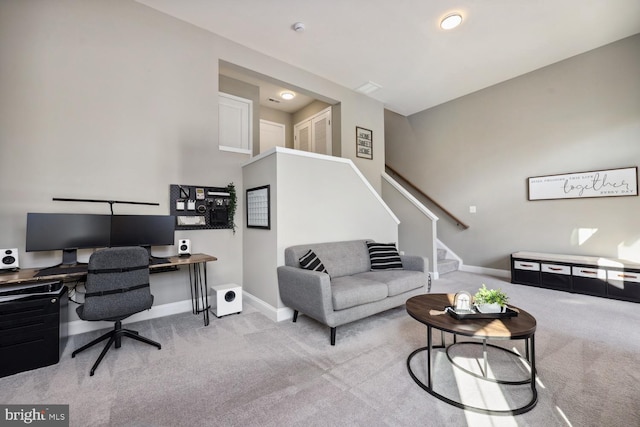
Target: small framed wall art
(258, 208)
(364, 143)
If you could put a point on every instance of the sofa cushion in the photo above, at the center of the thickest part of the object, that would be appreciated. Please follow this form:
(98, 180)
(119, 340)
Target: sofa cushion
(384, 256)
(339, 258)
(310, 261)
(351, 291)
(398, 281)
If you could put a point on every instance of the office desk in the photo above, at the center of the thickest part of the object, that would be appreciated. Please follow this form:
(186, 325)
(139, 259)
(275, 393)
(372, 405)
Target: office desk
(197, 278)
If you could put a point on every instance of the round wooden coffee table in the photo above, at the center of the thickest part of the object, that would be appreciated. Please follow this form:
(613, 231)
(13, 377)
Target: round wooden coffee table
(429, 309)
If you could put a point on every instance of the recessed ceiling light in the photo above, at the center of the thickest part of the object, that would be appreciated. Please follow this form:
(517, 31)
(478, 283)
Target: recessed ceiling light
(287, 95)
(451, 21)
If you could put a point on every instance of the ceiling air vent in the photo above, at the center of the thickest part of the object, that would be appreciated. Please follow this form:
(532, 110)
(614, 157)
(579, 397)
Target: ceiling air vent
(368, 87)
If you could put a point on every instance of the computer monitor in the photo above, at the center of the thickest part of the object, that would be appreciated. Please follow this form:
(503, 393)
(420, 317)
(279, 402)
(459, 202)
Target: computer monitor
(142, 230)
(67, 232)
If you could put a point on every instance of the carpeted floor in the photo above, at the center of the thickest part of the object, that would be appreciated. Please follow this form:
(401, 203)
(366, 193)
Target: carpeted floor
(245, 370)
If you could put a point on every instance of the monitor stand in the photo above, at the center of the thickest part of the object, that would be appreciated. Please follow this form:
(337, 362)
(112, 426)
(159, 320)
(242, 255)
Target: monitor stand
(69, 257)
(154, 259)
(69, 264)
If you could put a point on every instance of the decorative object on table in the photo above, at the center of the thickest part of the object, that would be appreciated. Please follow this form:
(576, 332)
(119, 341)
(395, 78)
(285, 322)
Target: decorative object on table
(462, 302)
(490, 300)
(364, 143)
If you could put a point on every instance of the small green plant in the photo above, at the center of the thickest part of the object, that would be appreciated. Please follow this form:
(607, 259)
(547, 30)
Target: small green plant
(231, 209)
(490, 296)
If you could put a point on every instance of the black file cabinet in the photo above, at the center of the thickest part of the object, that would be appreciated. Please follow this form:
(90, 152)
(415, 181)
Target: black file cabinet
(31, 316)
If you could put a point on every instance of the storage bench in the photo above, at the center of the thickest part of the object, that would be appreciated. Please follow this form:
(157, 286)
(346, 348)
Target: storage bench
(598, 276)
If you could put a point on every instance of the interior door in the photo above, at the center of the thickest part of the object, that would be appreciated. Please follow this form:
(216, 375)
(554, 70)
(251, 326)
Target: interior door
(272, 134)
(302, 136)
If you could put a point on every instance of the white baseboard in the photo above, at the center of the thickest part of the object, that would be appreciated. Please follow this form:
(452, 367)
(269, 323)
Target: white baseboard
(489, 271)
(76, 327)
(275, 314)
(81, 326)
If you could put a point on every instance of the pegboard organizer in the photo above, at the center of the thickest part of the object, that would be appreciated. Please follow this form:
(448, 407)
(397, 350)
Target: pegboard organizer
(199, 207)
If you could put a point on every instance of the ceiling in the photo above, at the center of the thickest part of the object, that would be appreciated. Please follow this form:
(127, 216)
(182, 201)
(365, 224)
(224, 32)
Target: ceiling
(399, 45)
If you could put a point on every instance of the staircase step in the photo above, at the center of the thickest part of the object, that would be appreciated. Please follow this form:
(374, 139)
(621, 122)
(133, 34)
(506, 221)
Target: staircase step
(442, 253)
(447, 266)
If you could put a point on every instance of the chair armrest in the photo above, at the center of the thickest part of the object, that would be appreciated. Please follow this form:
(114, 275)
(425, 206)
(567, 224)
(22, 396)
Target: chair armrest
(307, 291)
(415, 263)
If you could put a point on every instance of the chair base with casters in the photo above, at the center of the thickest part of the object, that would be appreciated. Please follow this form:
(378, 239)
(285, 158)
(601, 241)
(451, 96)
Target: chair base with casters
(117, 287)
(114, 336)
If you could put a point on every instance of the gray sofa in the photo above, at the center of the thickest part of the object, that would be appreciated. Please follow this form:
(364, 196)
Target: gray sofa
(350, 290)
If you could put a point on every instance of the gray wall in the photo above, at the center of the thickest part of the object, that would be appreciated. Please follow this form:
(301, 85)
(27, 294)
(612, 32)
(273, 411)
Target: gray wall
(577, 115)
(113, 100)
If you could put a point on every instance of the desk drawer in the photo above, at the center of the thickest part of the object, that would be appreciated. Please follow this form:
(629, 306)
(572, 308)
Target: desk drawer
(589, 280)
(623, 284)
(25, 351)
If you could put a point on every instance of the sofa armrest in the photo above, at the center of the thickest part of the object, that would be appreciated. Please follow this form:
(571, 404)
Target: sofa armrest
(306, 291)
(415, 263)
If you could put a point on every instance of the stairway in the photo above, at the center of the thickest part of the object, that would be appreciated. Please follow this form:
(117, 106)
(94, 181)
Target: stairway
(446, 265)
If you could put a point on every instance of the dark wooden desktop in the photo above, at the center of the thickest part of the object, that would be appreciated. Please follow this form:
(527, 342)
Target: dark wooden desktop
(197, 278)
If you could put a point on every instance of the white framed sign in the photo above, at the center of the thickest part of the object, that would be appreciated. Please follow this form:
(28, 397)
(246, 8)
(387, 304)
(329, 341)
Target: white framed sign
(258, 208)
(581, 185)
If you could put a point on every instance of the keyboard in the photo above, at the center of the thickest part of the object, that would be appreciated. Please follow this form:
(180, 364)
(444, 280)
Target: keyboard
(82, 268)
(59, 269)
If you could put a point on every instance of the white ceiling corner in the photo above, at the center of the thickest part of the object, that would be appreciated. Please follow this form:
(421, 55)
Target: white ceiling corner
(400, 46)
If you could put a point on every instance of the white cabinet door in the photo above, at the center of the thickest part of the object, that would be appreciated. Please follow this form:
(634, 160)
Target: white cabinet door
(314, 134)
(234, 121)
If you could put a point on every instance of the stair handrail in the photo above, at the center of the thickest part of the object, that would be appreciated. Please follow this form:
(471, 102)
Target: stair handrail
(419, 191)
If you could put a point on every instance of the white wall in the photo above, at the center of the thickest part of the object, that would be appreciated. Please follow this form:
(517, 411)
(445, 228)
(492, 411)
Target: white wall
(417, 232)
(580, 114)
(111, 99)
(314, 198)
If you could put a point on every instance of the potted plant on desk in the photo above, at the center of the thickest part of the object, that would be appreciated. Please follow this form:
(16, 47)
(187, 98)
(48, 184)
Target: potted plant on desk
(490, 300)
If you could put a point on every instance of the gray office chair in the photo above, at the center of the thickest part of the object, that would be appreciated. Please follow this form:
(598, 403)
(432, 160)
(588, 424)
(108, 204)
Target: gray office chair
(117, 287)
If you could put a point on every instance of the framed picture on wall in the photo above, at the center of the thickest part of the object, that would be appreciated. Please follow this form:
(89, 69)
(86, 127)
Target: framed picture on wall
(581, 185)
(364, 143)
(258, 208)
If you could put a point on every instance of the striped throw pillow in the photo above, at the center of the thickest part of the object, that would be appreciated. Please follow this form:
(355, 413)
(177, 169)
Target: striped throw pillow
(310, 261)
(384, 256)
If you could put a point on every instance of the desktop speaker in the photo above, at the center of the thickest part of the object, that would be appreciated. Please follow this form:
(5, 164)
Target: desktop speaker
(226, 299)
(9, 259)
(184, 247)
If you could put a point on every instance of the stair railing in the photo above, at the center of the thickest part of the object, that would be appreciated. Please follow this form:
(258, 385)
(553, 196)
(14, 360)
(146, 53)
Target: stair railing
(438, 205)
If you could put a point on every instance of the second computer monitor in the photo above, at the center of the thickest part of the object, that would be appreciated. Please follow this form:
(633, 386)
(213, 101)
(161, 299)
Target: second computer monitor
(142, 230)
